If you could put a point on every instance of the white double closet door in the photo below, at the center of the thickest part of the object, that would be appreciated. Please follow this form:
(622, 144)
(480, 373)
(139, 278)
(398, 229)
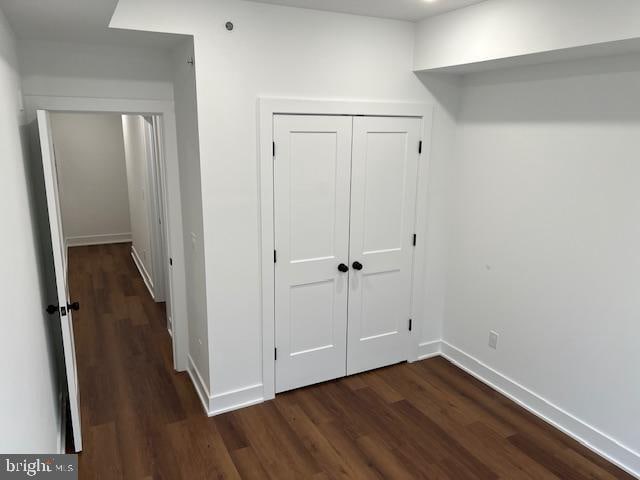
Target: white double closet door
(344, 217)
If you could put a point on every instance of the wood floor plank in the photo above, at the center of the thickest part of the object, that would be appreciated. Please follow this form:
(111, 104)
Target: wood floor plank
(376, 383)
(383, 459)
(142, 420)
(352, 454)
(248, 465)
(315, 442)
(505, 459)
(233, 436)
(544, 456)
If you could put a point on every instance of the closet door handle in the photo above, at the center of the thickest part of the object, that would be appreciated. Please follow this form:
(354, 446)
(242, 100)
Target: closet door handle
(357, 266)
(343, 268)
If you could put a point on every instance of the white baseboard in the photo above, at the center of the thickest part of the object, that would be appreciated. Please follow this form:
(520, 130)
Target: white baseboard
(86, 240)
(235, 399)
(143, 271)
(429, 349)
(223, 402)
(590, 437)
(199, 384)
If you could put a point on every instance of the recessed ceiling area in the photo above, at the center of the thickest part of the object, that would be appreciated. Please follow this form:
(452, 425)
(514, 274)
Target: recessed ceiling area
(80, 21)
(411, 10)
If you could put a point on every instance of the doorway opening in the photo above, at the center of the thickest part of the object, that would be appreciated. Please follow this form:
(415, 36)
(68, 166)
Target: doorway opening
(111, 190)
(113, 200)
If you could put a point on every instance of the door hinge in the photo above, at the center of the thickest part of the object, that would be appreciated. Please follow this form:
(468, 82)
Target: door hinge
(415, 239)
(275, 256)
(273, 148)
(420, 146)
(171, 261)
(275, 353)
(410, 324)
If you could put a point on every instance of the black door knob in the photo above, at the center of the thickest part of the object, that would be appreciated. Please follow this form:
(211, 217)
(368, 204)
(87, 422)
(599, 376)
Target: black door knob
(343, 268)
(357, 266)
(73, 306)
(51, 309)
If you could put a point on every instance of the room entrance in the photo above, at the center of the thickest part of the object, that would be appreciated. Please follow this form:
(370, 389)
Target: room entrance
(112, 216)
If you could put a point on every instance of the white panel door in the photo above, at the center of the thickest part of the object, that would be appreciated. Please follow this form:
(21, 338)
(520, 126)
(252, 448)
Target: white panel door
(311, 215)
(60, 266)
(383, 196)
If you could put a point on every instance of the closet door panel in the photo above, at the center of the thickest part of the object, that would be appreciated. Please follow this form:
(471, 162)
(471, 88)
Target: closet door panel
(311, 200)
(383, 196)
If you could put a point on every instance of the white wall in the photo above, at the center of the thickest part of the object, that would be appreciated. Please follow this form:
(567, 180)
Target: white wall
(275, 51)
(497, 29)
(544, 235)
(136, 160)
(84, 70)
(93, 177)
(29, 409)
(190, 181)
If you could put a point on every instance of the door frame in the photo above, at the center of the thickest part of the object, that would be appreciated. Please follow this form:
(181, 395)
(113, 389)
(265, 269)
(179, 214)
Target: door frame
(267, 108)
(157, 194)
(165, 111)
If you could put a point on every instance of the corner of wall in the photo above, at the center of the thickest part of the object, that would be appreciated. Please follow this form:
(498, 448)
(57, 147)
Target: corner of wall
(185, 101)
(446, 91)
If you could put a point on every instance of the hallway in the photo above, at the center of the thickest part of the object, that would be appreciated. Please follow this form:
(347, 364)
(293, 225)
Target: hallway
(142, 420)
(129, 390)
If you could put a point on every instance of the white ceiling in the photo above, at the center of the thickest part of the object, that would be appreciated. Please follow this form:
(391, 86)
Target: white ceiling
(76, 21)
(412, 10)
(87, 20)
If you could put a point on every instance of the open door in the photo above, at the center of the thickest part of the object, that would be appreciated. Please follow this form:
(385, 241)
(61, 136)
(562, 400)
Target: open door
(60, 265)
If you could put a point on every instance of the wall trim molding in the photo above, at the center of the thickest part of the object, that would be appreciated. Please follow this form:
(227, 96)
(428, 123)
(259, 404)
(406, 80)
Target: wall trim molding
(199, 384)
(226, 401)
(429, 350)
(235, 399)
(587, 435)
(101, 239)
(143, 271)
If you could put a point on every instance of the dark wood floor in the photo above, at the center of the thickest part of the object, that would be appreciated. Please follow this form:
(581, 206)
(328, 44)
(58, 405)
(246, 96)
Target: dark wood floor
(425, 420)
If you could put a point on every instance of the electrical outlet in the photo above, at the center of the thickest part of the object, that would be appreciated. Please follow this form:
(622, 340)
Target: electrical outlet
(493, 339)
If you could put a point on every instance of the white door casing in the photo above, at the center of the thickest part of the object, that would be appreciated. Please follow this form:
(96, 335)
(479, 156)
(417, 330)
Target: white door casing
(311, 233)
(61, 274)
(164, 113)
(383, 205)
